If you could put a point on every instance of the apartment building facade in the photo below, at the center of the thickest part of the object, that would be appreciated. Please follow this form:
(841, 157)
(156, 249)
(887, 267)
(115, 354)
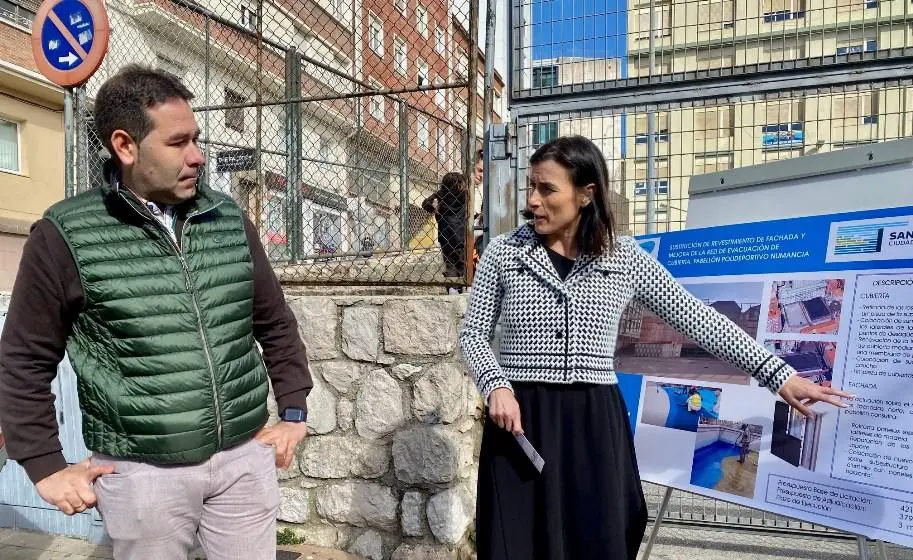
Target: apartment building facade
(708, 38)
(31, 136)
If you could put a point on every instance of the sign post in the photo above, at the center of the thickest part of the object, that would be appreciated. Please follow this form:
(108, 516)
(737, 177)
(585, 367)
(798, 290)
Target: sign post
(69, 42)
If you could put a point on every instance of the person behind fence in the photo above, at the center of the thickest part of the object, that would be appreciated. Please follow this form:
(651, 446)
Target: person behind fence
(448, 204)
(478, 219)
(159, 290)
(558, 285)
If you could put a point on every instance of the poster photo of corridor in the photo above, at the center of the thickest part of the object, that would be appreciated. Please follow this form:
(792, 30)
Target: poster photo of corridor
(649, 346)
(726, 456)
(679, 407)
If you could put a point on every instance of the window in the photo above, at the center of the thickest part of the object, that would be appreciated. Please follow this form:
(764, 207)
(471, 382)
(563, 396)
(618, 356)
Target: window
(378, 104)
(441, 145)
(545, 76)
(422, 76)
(779, 50)
(782, 136)
(462, 63)
(714, 122)
(661, 177)
(234, 117)
(714, 15)
(248, 17)
(661, 65)
(440, 94)
(661, 126)
(782, 10)
(423, 129)
(662, 187)
(402, 6)
(716, 59)
(400, 56)
(162, 62)
(9, 146)
(544, 132)
(338, 8)
(440, 41)
(16, 14)
(662, 23)
(712, 163)
(854, 109)
(421, 20)
(497, 104)
(869, 45)
(324, 152)
(844, 6)
(377, 36)
(459, 110)
(480, 84)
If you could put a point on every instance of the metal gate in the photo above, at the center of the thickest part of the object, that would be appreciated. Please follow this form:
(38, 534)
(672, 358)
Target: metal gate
(20, 505)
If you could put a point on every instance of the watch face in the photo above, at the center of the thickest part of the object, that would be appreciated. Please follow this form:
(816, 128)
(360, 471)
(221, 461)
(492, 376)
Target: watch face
(293, 415)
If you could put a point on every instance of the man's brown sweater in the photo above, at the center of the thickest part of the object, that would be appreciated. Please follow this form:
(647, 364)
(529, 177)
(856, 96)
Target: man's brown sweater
(47, 297)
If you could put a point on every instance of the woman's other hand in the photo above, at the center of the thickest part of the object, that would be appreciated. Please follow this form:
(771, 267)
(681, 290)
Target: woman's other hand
(505, 410)
(801, 393)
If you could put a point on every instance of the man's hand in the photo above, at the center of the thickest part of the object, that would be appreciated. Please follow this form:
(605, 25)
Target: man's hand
(801, 393)
(284, 437)
(505, 410)
(70, 490)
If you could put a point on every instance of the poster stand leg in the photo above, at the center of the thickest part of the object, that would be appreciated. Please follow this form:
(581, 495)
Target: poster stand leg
(882, 550)
(863, 547)
(660, 514)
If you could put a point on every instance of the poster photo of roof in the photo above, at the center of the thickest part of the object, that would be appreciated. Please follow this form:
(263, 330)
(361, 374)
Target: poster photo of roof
(805, 306)
(648, 346)
(811, 360)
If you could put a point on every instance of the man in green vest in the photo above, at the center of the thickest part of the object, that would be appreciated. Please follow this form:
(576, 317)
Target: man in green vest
(159, 290)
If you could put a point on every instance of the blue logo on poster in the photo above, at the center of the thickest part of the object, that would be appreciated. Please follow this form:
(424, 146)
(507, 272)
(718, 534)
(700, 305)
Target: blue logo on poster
(66, 37)
(865, 238)
(650, 245)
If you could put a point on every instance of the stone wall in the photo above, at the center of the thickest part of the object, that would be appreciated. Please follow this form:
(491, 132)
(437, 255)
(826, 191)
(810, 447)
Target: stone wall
(389, 468)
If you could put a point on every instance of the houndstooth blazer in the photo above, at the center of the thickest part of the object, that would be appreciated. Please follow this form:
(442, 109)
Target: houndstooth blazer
(555, 331)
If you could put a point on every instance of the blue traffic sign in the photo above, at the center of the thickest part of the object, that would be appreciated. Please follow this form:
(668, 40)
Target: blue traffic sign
(67, 34)
(72, 39)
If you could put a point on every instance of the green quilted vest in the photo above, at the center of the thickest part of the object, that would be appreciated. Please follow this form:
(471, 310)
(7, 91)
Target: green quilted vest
(167, 368)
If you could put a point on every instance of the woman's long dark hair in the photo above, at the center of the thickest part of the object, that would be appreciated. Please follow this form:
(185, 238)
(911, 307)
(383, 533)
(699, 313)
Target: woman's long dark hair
(585, 165)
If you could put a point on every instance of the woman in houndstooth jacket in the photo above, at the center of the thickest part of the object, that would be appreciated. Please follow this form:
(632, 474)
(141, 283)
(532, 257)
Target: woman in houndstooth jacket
(559, 285)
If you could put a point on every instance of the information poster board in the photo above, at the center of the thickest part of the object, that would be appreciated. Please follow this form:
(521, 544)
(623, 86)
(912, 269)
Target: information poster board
(833, 296)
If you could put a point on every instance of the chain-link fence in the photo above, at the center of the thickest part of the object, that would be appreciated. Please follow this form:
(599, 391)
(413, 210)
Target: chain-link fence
(700, 136)
(329, 121)
(670, 89)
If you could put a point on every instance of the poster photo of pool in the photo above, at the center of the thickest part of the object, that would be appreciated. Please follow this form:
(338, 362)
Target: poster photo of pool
(805, 306)
(680, 407)
(811, 360)
(648, 346)
(726, 456)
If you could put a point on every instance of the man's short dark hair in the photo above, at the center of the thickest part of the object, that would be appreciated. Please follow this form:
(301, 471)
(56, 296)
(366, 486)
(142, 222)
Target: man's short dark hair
(123, 100)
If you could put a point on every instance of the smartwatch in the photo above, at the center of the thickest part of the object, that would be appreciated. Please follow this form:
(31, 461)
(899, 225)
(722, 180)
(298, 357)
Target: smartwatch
(293, 414)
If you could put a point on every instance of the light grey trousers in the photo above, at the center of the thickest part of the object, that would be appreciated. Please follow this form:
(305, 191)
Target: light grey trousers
(229, 502)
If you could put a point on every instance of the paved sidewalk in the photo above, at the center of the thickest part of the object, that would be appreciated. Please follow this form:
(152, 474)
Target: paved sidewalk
(24, 545)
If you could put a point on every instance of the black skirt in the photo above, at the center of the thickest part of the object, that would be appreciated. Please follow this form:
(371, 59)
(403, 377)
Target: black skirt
(587, 504)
